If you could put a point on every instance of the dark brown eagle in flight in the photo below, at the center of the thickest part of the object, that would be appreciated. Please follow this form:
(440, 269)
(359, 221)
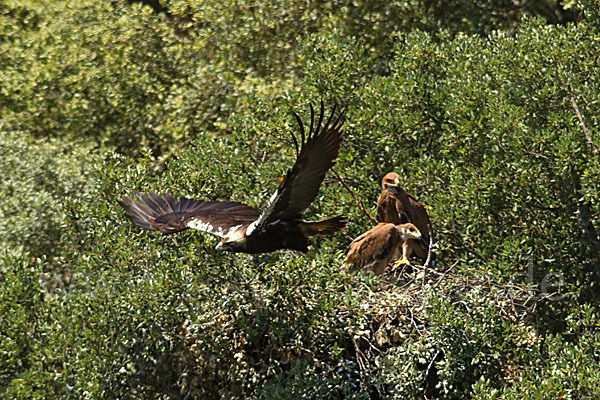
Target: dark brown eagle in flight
(376, 248)
(246, 229)
(398, 207)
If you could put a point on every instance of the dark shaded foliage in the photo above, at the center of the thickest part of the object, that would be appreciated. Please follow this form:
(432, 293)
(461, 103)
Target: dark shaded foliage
(102, 99)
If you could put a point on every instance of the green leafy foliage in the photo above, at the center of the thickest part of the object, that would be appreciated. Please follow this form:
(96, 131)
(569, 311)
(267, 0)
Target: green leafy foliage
(489, 116)
(38, 176)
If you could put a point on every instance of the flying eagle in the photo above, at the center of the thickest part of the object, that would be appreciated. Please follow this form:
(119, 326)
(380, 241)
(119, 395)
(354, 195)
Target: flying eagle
(398, 207)
(376, 248)
(248, 230)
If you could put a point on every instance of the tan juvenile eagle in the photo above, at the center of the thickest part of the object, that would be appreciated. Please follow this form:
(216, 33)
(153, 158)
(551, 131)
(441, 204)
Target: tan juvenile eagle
(246, 229)
(398, 207)
(376, 248)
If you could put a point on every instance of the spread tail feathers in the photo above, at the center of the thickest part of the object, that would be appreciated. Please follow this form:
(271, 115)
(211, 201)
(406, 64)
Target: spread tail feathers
(324, 227)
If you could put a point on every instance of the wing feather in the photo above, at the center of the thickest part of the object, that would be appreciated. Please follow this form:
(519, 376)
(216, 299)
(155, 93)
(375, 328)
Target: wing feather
(373, 249)
(400, 207)
(301, 184)
(391, 209)
(167, 215)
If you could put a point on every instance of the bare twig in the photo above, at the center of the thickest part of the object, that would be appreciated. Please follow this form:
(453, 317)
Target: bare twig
(588, 137)
(444, 273)
(358, 203)
(359, 356)
(428, 260)
(426, 375)
(350, 238)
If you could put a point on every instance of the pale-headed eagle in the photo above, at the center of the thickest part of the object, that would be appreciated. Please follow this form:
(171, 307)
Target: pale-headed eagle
(398, 207)
(244, 228)
(376, 248)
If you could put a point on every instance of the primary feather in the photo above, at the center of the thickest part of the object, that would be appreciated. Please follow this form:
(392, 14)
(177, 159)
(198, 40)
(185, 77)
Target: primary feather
(243, 228)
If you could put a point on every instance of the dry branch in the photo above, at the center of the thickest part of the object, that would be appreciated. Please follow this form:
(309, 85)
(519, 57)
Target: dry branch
(588, 137)
(358, 203)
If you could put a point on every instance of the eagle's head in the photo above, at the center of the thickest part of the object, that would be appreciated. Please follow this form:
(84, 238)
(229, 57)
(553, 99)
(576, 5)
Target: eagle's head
(391, 180)
(409, 231)
(235, 246)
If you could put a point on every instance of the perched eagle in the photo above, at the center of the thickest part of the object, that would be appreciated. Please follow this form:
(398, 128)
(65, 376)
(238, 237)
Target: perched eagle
(246, 229)
(376, 248)
(398, 207)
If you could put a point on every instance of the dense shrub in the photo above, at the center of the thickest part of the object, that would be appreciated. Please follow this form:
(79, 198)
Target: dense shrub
(485, 131)
(21, 304)
(495, 130)
(38, 176)
(128, 77)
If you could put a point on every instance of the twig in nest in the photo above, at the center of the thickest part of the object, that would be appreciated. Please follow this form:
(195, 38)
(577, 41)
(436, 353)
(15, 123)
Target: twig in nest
(358, 203)
(580, 117)
(359, 357)
(444, 273)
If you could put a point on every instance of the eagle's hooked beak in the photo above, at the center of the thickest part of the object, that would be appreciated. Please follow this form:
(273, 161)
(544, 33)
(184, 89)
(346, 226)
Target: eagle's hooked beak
(415, 235)
(396, 182)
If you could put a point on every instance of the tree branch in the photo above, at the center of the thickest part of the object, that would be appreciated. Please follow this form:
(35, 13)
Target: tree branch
(358, 203)
(429, 258)
(580, 117)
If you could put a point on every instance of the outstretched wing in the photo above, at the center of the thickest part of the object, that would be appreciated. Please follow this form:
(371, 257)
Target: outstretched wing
(318, 150)
(167, 215)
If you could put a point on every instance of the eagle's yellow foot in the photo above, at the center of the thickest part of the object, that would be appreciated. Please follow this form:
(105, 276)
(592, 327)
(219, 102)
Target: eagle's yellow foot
(402, 261)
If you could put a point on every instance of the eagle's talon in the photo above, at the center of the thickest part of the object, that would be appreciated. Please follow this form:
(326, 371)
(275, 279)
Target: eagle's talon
(397, 206)
(376, 248)
(397, 264)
